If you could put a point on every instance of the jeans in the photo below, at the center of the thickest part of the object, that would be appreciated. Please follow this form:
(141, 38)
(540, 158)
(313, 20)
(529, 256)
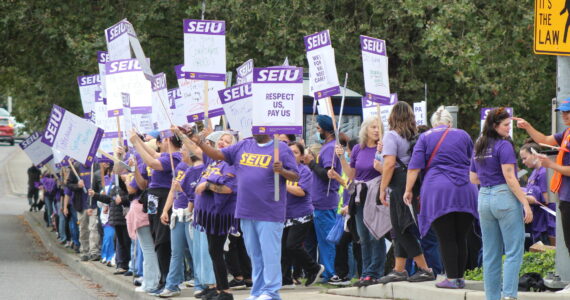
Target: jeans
(49, 208)
(73, 226)
(150, 264)
(108, 247)
(178, 244)
(502, 226)
(263, 244)
(201, 261)
(373, 250)
(324, 222)
(62, 221)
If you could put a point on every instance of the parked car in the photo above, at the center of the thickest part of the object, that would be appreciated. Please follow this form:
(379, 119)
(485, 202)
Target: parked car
(6, 130)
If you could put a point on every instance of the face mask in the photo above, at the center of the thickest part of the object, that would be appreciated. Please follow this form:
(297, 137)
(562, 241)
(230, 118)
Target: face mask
(320, 138)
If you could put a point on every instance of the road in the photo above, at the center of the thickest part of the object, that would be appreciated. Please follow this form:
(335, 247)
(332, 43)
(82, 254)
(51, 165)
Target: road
(27, 271)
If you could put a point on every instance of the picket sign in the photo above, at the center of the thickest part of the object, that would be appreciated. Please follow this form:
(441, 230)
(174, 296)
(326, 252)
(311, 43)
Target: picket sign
(485, 111)
(88, 84)
(245, 72)
(371, 109)
(39, 153)
(337, 128)
(375, 67)
(237, 105)
(420, 112)
(323, 79)
(102, 59)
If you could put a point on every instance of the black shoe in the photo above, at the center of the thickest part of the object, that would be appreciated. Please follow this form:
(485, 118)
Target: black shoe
(237, 284)
(224, 296)
(84, 257)
(368, 281)
(422, 275)
(204, 292)
(94, 257)
(394, 276)
(128, 273)
(248, 283)
(314, 276)
(31, 208)
(210, 295)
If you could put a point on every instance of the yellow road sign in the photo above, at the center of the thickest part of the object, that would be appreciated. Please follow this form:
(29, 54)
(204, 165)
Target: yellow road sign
(551, 27)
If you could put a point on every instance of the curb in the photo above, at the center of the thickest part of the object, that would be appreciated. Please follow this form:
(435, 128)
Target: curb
(92, 270)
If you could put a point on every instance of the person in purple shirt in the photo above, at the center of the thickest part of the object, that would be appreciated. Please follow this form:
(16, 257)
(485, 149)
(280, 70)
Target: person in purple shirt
(48, 185)
(448, 199)
(397, 153)
(262, 217)
(163, 164)
(366, 181)
(501, 205)
(325, 193)
(299, 221)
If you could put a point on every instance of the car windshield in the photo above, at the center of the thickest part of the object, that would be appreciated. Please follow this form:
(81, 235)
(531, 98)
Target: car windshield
(4, 112)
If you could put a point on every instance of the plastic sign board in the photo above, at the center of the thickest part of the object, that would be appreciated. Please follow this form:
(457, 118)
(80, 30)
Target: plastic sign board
(551, 27)
(485, 111)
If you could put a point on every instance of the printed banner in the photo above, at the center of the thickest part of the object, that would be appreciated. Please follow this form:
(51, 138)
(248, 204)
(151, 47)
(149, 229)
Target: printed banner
(485, 111)
(375, 67)
(245, 72)
(73, 136)
(370, 110)
(38, 152)
(161, 113)
(237, 104)
(205, 49)
(109, 124)
(278, 100)
(87, 86)
(193, 96)
(420, 111)
(126, 76)
(323, 78)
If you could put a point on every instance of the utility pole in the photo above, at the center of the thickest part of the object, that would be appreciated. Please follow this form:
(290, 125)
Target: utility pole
(9, 104)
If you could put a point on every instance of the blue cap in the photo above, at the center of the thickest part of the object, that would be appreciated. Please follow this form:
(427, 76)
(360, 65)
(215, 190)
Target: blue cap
(564, 105)
(155, 134)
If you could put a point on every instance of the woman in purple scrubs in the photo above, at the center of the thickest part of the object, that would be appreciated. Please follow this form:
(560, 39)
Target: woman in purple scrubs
(448, 199)
(500, 207)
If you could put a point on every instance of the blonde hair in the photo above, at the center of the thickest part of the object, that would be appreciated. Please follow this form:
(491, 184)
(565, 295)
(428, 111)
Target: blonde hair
(363, 134)
(441, 117)
(232, 137)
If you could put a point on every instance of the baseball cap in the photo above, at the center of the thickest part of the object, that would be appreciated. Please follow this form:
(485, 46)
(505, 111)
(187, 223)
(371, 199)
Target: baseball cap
(564, 105)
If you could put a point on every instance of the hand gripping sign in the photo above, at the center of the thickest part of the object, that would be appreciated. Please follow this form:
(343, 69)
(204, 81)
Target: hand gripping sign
(322, 69)
(277, 100)
(237, 104)
(39, 153)
(375, 67)
(72, 136)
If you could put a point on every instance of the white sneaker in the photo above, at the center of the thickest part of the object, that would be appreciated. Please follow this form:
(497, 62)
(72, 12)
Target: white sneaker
(252, 297)
(288, 287)
(264, 297)
(565, 290)
(189, 283)
(140, 289)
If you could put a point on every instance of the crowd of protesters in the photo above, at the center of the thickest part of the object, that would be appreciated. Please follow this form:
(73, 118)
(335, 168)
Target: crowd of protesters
(388, 205)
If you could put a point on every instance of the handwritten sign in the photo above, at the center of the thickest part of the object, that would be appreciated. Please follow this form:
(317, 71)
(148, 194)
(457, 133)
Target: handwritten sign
(205, 49)
(485, 111)
(193, 96)
(323, 78)
(161, 113)
(177, 106)
(126, 76)
(277, 100)
(375, 67)
(87, 86)
(237, 105)
(370, 110)
(38, 152)
(245, 72)
(72, 135)
(420, 111)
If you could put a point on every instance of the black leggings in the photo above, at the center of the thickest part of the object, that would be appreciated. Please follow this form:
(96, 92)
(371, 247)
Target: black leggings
(452, 230)
(293, 252)
(216, 250)
(564, 207)
(237, 261)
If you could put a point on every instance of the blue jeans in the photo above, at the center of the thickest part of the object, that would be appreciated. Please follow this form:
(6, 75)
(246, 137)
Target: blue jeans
(62, 220)
(263, 244)
(108, 247)
(48, 201)
(502, 227)
(150, 264)
(324, 221)
(178, 244)
(201, 261)
(373, 250)
(73, 226)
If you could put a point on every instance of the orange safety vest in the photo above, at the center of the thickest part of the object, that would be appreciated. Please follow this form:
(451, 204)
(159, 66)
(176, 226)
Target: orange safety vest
(556, 181)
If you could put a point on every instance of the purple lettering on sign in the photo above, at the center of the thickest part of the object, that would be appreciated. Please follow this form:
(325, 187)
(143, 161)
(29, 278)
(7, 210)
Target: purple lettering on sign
(278, 75)
(102, 57)
(235, 93)
(45, 161)
(159, 82)
(174, 94)
(382, 99)
(373, 45)
(94, 147)
(485, 111)
(98, 97)
(117, 30)
(245, 69)
(31, 139)
(204, 27)
(179, 73)
(317, 40)
(205, 76)
(123, 65)
(88, 80)
(52, 127)
(200, 116)
(277, 129)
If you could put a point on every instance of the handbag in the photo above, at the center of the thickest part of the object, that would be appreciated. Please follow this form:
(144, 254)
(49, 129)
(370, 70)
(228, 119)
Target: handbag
(337, 230)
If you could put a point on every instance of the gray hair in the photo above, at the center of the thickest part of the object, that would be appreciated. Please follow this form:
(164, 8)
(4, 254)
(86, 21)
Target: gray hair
(441, 117)
(363, 134)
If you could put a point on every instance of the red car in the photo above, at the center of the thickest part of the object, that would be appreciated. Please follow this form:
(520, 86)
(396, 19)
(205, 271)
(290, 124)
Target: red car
(6, 130)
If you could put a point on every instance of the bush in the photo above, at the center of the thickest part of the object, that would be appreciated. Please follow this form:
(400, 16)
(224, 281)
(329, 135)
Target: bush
(533, 262)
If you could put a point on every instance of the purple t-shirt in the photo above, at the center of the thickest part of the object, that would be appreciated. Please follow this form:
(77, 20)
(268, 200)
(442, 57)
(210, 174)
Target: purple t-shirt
(189, 182)
(362, 160)
(319, 190)
(180, 200)
(564, 192)
(163, 179)
(489, 169)
(394, 144)
(537, 184)
(254, 172)
(300, 206)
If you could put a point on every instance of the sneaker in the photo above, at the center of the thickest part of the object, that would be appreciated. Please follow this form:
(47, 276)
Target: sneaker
(359, 282)
(249, 283)
(368, 281)
(103, 261)
(290, 286)
(224, 296)
(155, 292)
(128, 273)
(140, 289)
(448, 284)
(264, 297)
(137, 281)
(94, 257)
(237, 284)
(337, 281)
(422, 275)
(189, 283)
(204, 292)
(313, 277)
(461, 283)
(166, 293)
(84, 257)
(394, 276)
(252, 297)
(211, 295)
(120, 271)
(565, 290)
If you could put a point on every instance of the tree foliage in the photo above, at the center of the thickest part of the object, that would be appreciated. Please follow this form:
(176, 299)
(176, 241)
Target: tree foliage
(470, 53)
